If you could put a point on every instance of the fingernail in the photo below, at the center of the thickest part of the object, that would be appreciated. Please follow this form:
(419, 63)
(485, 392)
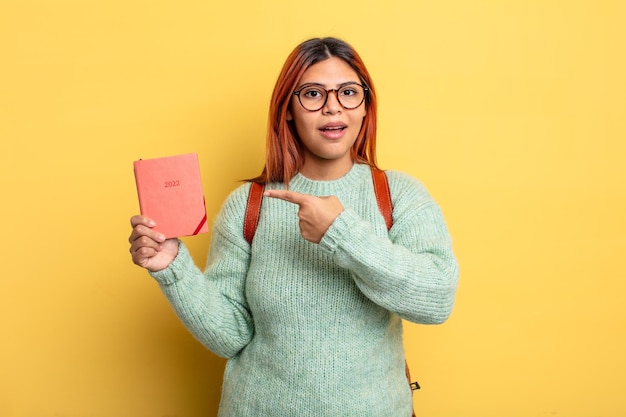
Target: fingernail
(151, 223)
(160, 237)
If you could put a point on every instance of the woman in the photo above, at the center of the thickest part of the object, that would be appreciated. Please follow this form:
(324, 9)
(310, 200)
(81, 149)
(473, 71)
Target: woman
(310, 313)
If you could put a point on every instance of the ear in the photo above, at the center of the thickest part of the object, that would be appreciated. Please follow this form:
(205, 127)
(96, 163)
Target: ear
(289, 115)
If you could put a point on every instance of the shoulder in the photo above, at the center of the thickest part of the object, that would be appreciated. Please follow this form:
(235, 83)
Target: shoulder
(414, 209)
(237, 199)
(406, 189)
(229, 221)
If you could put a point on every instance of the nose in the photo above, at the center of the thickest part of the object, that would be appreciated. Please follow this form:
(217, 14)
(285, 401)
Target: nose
(332, 104)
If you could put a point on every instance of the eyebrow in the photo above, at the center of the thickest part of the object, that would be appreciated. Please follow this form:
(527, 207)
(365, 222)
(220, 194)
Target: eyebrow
(324, 85)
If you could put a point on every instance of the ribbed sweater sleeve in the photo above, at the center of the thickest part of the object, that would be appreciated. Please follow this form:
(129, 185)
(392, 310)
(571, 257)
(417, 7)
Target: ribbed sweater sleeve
(412, 271)
(213, 305)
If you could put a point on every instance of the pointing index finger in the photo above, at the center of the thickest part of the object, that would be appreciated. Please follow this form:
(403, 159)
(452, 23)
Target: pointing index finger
(290, 196)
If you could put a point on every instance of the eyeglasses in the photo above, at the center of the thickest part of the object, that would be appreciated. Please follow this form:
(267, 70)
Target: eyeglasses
(313, 96)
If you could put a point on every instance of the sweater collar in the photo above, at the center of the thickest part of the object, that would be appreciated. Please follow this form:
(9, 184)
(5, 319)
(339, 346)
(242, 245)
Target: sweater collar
(302, 184)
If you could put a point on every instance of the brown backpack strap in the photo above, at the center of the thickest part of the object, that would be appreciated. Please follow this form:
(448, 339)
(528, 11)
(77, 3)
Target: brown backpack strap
(383, 196)
(414, 385)
(253, 211)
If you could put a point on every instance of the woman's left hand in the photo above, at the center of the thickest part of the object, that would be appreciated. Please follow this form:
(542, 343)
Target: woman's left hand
(316, 214)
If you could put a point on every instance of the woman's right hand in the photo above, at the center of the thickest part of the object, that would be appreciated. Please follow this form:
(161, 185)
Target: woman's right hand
(149, 248)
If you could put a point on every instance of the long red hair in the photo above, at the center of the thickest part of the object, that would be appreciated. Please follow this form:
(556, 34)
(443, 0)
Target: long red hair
(284, 154)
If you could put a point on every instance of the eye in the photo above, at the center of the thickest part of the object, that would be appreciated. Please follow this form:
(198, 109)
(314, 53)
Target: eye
(312, 93)
(351, 91)
(348, 91)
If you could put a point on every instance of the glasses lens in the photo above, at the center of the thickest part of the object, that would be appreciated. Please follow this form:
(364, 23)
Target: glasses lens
(312, 98)
(351, 96)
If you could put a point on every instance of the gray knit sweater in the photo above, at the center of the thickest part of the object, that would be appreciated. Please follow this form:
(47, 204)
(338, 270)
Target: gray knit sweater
(315, 330)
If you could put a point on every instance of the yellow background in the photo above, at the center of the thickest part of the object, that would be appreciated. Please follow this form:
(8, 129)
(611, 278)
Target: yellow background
(511, 112)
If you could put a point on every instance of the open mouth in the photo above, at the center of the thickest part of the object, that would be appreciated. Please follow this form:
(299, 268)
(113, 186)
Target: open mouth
(331, 129)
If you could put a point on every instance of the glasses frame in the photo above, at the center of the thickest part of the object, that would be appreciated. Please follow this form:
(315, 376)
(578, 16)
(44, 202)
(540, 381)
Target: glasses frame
(332, 90)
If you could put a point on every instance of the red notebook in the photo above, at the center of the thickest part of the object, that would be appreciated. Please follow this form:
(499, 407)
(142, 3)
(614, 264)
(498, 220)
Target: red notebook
(170, 193)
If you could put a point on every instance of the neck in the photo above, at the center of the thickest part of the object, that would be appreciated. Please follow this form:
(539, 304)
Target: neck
(326, 170)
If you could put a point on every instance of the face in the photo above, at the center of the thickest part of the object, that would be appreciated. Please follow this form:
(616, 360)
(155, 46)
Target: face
(328, 133)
